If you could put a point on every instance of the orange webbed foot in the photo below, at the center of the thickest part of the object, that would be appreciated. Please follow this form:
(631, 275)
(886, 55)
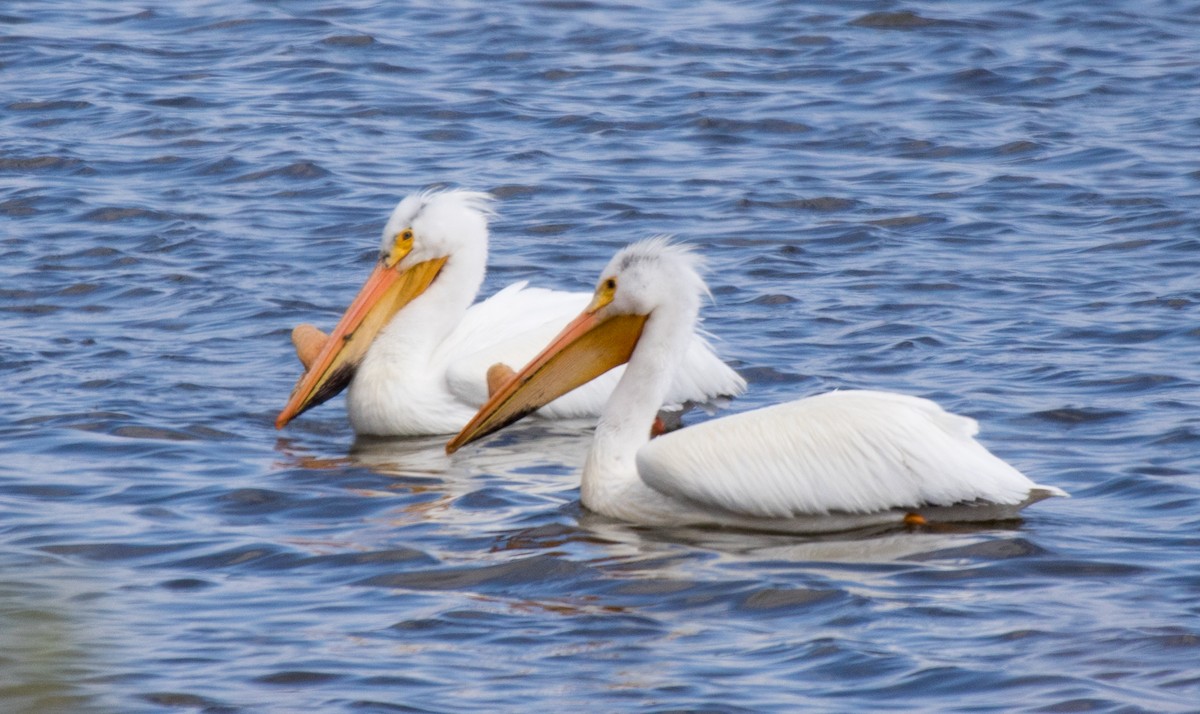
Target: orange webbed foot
(658, 428)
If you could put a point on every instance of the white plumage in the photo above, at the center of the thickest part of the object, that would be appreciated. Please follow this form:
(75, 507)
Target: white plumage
(840, 460)
(845, 452)
(424, 371)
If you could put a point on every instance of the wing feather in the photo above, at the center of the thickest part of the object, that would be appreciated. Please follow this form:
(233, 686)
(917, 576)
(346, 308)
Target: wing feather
(513, 325)
(702, 377)
(840, 452)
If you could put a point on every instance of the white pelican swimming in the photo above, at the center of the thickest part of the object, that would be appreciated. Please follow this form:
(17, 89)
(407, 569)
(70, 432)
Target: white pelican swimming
(841, 460)
(415, 352)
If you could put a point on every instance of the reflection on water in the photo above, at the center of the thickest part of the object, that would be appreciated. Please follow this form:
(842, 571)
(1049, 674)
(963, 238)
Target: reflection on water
(49, 640)
(546, 456)
(539, 445)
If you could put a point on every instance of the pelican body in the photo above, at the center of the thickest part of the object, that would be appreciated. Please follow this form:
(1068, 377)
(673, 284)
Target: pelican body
(837, 461)
(415, 352)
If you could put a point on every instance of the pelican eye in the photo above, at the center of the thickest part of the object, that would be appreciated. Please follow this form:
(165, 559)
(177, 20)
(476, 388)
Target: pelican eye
(605, 292)
(401, 245)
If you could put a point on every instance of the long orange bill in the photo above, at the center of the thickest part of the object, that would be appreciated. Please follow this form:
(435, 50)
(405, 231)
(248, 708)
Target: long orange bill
(585, 349)
(384, 294)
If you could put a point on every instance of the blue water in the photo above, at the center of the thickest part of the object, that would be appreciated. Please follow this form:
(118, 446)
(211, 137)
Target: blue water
(992, 204)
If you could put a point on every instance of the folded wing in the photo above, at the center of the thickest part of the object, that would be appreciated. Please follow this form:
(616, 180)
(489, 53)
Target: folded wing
(840, 452)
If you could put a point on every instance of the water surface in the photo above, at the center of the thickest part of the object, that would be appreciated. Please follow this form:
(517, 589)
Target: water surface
(995, 205)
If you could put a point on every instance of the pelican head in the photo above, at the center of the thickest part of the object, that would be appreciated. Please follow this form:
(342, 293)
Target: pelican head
(653, 280)
(648, 275)
(424, 232)
(435, 224)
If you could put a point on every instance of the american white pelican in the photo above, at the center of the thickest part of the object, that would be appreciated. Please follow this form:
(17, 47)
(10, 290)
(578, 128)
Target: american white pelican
(841, 460)
(415, 352)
